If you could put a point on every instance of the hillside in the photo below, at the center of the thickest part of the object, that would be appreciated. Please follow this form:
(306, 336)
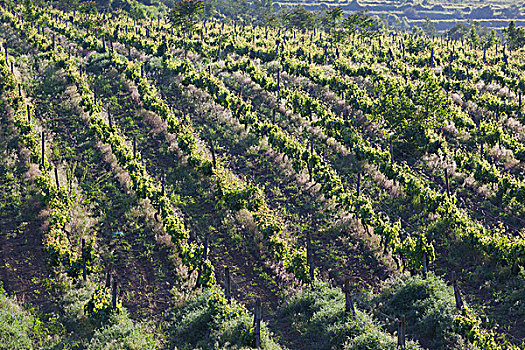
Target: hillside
(444, 14)
(219, 184)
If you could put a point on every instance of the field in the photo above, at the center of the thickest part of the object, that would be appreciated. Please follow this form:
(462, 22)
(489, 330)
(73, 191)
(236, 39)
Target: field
(444, 14)
(236, 186)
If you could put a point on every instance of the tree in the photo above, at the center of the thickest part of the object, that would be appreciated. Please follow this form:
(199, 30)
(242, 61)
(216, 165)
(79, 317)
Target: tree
(185, 13)
(432, 100)
(88, 8)
(299, 17)
(137, 10)
(489, 40)
(261, 10)
(361, 24)
(515, 36)
(459, 31)
(331, 17)
(473, 37)
(429, 27)
(413, 115)
(397, 110)
(65, 5)
(87, 11)
(271, 20)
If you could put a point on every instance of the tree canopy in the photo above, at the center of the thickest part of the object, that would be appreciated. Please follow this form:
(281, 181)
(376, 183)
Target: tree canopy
(331, 17)
(360, 23)
(185, 12)
(515, 36)
(300, 18)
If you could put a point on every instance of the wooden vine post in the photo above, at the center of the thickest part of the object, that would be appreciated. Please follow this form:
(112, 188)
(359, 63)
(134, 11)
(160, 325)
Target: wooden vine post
(257, 323)
(457, 293)
(309, 257)
(163, 176)
(28, 114)
(447, 183)
(108, 277)
(519, 104)
(358, 184)
(310, 168)
(481, 151)
(213, 156)
(425, 265)
(114, 294)
(391, 150)
(278, 82)
(84, 272)
(134, 147)
(56, 178)
(349, 303)
(401, 333)
(227, 284)
(43, 150)
(204, 257)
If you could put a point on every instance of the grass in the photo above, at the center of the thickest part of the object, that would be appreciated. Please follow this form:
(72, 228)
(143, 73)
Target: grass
(18, 328)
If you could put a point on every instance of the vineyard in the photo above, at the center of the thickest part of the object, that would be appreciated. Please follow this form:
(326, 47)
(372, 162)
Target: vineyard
(228, 185)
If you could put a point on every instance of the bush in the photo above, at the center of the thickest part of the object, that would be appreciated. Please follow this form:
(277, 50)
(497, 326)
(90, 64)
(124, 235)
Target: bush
(319, 315)
(209, 322)
(375, 339)
(99, 307)
(17, 326)
(22, 329)
(73, 303)
(123, 333)
(428, 305)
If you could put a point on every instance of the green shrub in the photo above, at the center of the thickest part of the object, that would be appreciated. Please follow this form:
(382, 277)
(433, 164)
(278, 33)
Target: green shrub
(21, 329)
(428, 305)
(99, 307)
(73, 303)
(319, 316)
(375, 339)
(123, 333)
(17, 326)
(209, 322)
